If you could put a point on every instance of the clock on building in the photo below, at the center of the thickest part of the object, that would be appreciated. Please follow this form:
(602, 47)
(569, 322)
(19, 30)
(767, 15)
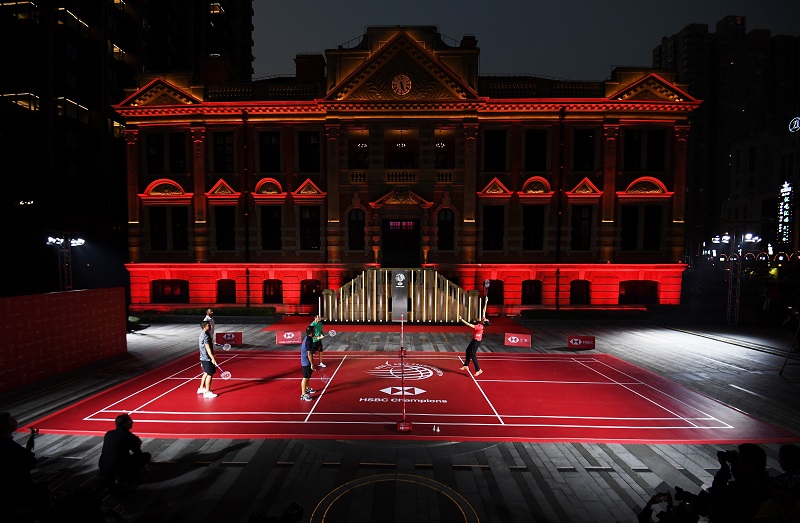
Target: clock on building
(401, 84)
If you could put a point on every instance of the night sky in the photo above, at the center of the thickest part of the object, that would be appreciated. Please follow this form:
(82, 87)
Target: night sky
(570, 39)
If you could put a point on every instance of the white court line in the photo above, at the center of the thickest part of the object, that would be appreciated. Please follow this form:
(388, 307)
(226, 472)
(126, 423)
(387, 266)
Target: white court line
(491, 406)
(438, 356)
(316, 402)
(748, 391)
(108, 407)
(664, 393)
(628, 388)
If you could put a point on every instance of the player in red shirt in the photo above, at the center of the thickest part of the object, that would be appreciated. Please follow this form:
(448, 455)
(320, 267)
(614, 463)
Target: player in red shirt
(474, 344)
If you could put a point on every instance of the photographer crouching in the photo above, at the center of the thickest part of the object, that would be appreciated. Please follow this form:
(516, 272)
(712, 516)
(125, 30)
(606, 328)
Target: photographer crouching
(739, 488)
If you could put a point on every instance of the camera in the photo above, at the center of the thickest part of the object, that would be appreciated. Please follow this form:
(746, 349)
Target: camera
(727, 455)
(682, 495)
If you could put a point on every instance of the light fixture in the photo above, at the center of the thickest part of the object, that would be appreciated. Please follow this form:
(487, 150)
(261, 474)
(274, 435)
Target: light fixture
(401, 143)
(363, 143)
(439, 143)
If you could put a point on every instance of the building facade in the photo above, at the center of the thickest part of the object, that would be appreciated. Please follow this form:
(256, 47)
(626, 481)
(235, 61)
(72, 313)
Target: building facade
(396, 153)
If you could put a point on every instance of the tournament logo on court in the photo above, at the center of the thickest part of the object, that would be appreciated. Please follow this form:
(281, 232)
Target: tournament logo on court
(409, 371)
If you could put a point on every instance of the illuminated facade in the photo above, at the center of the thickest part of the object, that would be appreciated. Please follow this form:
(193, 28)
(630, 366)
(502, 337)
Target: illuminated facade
(397, 153)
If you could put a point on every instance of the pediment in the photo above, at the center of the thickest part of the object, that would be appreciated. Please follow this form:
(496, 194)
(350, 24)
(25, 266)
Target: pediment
(401, 196)
(159, 92)
(585, 187)
(652, 88)
(222, 193)
(308, 191)
(378, 78)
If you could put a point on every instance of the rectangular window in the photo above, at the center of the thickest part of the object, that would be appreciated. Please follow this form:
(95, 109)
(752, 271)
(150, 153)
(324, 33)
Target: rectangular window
(581, 233)
(357, 153)
(155, 153)
(629, 228)
(632, 145)
(225, 227)
(533, 227)
(269, 151)
(656, 150)
(271, 227)
(583, 150)
(169, 228)
(444, 154)
(535, 150)
(177, 153)
(310, 229)
(641, 227)
(308, 152)
(651, 239)
(223, 152)
(494, 150)
(493, 227)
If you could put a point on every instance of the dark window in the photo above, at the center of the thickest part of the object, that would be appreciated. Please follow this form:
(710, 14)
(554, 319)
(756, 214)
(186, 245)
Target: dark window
(444, 154)
(309, 228)
(401, 158)
(355, 230)
(583, 153)
(644, 150)
(177, 153)
(170, 291)
(656, 150)
(271, 227)
(640, 227)
(223, 152)
(640, 292)
(310, 291)
(269, 151)
(226, 291)
(169, 228)
(308, 151)
(535, 150)
(632, 144)
(155, 153)
(579, 292)
(358, 153)
(493, 227)
(495, 293)
(533, 227)
(225, 227)
(494, 150)
(532, 292)
(581, 238)
(273, 291)
(446, 230)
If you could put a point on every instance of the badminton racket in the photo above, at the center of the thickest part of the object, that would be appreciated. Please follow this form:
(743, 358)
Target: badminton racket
(225, 374)
(227, 346)
(331, 333)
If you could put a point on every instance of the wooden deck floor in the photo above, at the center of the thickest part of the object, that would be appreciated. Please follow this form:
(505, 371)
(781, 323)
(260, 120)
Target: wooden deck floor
(358, 481)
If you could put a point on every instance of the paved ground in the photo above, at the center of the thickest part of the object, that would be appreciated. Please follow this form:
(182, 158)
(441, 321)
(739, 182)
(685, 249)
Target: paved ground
(360, 481)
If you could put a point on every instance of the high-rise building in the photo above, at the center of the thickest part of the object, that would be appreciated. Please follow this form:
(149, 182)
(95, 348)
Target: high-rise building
(750, 86)
(305, 192)
(61, 142)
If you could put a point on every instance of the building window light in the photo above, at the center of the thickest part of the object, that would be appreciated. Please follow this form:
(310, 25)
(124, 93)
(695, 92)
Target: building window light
(215, 8)
(27, 101)
(118, 53)
(120, 4)
(21, 10)
(76, 111)
(68, 18)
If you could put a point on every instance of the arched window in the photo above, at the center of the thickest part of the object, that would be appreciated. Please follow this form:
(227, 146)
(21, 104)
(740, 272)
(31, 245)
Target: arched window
(170, 291)
(355, 230)
(532, 292)
(579, 292)
(273, 291)
(226, 291)
(310, 291)
(446, 227)
(638, 292)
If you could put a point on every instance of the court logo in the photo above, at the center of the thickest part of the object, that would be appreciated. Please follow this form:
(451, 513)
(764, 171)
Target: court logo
(513, 339)
(228, 336)
(288, 335)
(408, 371)
(794, 125)
(400, 278)
(398, 391)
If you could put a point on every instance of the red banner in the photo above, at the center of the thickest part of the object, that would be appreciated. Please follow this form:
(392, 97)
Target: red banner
(234, 338)
(518, 340)
(289, 337)
(580, 342)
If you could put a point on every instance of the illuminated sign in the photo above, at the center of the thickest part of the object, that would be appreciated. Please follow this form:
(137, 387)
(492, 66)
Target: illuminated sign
(785, 213)
(794, 125)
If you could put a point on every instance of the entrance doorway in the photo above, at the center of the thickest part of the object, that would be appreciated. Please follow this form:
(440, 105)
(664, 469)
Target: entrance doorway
(400, 243)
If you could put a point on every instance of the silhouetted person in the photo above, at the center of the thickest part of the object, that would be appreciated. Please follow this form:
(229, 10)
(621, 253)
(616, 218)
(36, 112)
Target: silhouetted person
(740, 486)
(122, 458)
(17, 488)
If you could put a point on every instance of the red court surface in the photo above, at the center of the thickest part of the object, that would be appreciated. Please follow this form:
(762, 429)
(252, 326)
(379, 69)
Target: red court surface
(519, 397)
(498, 325)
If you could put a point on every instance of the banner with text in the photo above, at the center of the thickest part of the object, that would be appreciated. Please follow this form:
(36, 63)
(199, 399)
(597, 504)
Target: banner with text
(399, 296)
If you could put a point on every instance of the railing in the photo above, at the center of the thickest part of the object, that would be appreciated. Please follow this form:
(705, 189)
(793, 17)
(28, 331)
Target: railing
(432, 298)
